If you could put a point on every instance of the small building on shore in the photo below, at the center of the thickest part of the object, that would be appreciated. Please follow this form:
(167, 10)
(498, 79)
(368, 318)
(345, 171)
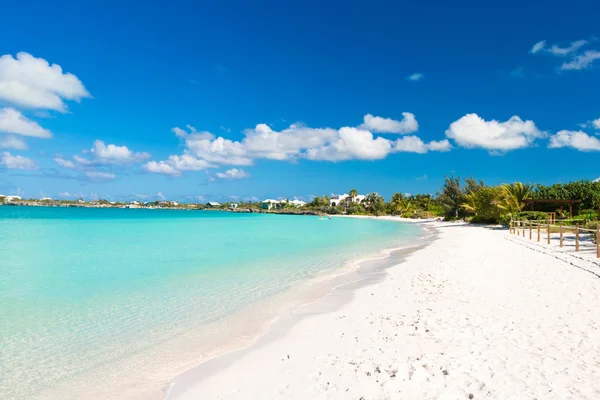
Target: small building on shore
(344, 200)
(213, 204)
(269, 204)
(10, 199)
(297, 203)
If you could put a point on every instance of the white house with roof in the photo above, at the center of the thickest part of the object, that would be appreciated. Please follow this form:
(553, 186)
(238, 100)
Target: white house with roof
(213, 204)
(345, 199)
(297, 203)
(8, 199)
(269, 204)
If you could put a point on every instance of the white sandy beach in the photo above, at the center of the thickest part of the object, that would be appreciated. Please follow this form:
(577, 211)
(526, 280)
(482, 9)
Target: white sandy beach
(476, 314)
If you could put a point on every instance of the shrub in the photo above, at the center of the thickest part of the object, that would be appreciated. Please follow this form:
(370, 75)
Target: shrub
(531, 216)
(478, 219)
(587, 214)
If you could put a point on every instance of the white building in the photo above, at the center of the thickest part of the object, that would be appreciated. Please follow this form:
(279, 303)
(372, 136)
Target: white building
(345, 199)
(45, 199)
(8, 199)
(297, 203)
(269, 204)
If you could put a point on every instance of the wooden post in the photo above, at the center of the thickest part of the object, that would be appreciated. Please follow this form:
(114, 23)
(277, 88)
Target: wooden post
(570, 210)
(511, 226)
(538, 226)
(530, 229)
(524, 227)
(561, 234)
(548, 232)
(576, 237)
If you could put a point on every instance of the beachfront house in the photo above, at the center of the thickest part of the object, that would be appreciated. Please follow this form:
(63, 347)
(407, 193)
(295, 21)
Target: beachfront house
(45, 199)
(270, 204)
(344, 200)
(213, 204)
(297, 203)
(10, 199)
(233, 206)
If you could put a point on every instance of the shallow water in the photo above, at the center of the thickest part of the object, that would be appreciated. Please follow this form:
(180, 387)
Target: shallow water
(82, 290)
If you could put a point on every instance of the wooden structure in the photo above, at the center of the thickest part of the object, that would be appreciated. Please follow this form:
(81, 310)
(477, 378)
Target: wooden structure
(531, 202)
(517, 227)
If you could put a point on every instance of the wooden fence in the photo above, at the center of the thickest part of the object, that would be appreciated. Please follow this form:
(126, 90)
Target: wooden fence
(521, 227)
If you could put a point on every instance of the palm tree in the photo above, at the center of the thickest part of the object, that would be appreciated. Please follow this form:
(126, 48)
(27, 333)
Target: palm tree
(513, 196)
(353, 194)
(401, 204)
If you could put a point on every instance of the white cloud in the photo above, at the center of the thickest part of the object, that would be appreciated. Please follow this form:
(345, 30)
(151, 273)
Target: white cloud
(12, 121)
(65, 194)
(564, 51)
(556, 49)
(32, 82)
(352, 143)
(471, 131)
(218, 150)
(582, 61)
(99, 176)
(17, 162)
(13, 142)
(233, 173)
(103, 154)
(439, 145)
(408, 124)
(175, 164)
(413, 144)
(596, 123)
(288, 144)
(575, 139)
(64, 163)
(160, 167)
(186, 162)
(205, 150)
(415, 77)
(539, 46)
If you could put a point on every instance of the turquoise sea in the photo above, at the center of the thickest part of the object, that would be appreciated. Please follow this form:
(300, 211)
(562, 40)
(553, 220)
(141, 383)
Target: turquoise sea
(94, 299)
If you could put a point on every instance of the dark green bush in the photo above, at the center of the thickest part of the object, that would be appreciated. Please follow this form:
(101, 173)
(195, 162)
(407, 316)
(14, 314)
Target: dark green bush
(531, 216)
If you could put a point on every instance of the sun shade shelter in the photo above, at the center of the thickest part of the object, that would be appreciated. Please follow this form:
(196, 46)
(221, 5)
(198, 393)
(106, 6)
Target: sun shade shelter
(562, 203)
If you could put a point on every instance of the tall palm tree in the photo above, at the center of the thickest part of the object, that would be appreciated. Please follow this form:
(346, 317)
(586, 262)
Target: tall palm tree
(513, 196)
(353, 193)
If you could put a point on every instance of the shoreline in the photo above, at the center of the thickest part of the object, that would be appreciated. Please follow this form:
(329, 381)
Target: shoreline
(475, 314)
(340, 288)
(241, 329)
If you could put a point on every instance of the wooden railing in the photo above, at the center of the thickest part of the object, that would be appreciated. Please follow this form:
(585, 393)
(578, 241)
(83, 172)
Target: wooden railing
(521, 227)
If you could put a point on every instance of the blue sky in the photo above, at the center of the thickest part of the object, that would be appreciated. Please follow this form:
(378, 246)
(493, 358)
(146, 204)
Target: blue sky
(205, 100)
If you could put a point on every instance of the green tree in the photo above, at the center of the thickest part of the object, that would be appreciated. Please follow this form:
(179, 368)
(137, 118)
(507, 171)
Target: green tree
(482, 202)
(451, 197)
(513, 196)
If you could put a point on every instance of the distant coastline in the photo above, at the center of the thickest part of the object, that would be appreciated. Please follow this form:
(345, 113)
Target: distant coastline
(183, 207)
